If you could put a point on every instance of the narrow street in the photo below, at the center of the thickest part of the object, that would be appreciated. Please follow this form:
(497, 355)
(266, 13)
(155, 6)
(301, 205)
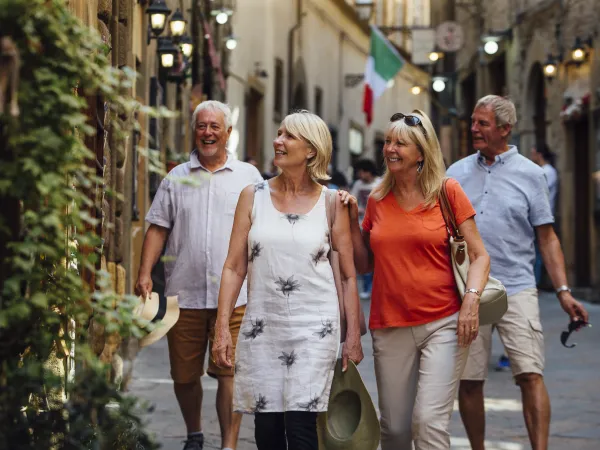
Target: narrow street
(572, 377)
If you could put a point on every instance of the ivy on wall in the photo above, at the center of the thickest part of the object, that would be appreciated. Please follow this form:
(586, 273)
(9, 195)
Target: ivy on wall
(54, 391)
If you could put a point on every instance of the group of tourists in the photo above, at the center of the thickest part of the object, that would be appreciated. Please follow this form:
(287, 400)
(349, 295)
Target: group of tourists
(251, 263)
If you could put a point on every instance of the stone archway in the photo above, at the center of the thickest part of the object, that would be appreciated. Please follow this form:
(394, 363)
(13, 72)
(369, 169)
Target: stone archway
(533, 130)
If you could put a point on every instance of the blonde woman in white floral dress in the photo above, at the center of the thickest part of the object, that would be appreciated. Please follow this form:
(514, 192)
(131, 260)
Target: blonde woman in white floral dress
(289, 338)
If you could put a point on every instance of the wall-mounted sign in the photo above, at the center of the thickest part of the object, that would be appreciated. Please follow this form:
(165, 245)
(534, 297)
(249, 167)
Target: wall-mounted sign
(449, 36)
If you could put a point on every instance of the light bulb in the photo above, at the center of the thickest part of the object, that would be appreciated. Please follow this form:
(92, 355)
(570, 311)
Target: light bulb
(222, 18)
(490, 47)
(550, 69)
(439, 85)
(578, 54)
(231, 43)
(416, 90)
(157, 21)
(186, 49)
(167, 60)
(434, 56)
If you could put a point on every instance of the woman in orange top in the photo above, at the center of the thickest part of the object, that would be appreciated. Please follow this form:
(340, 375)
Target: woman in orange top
(421, 330)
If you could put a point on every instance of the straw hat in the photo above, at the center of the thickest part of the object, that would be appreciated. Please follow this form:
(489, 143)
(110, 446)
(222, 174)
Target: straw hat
(161, 311)
(350, 422)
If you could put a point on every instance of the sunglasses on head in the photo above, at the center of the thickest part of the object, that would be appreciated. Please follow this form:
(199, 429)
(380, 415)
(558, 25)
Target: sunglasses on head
(575, 325)
(409, 119)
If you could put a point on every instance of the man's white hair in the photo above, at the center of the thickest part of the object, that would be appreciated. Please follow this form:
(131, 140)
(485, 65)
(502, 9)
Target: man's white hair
(503, 108)
(215, 106)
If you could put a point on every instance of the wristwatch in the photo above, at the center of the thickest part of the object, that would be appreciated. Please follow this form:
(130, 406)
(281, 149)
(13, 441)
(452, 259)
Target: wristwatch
(563, 288)
(473, 291)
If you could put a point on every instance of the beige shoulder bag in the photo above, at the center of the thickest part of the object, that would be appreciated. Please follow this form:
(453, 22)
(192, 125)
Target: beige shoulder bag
(494, 301)
(330, 198)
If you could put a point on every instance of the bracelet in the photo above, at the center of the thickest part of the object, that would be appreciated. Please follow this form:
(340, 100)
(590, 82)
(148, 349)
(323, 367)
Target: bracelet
(473, 291)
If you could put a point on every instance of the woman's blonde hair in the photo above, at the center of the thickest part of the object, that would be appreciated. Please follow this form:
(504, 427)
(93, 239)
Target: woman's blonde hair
(434, 170)
(314, 131)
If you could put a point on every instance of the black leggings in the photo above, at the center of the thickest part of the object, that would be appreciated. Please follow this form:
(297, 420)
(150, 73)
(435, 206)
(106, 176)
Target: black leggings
(292, 430)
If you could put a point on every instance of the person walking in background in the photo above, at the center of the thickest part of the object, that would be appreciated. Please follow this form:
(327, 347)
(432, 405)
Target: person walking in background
(510, 195)
(290, 335)
(366, 179)
(421, 331)
(543, 157)
(193, 213)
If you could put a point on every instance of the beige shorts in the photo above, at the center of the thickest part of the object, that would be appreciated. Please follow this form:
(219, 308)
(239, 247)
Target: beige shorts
(521, 333)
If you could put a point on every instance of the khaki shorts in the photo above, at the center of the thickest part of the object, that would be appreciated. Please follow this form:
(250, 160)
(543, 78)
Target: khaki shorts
(521, 333)
(189, 338)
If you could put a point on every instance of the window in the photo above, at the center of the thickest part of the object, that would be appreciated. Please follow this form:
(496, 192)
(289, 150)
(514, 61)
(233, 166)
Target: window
(318, 101)
(278, 104)
(355, 140)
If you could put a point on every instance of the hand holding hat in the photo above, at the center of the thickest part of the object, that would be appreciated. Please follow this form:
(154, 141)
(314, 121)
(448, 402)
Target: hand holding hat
(352, 351)
(161, 311)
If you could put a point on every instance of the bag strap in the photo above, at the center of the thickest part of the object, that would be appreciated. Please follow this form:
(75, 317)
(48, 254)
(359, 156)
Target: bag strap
(330, 212)
(448, 213)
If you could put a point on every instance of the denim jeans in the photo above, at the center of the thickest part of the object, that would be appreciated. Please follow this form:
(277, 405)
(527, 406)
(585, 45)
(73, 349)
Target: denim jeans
(292, 430)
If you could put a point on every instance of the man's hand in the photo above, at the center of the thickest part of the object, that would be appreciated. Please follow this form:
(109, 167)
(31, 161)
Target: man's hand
(143, 286)
(572, 307)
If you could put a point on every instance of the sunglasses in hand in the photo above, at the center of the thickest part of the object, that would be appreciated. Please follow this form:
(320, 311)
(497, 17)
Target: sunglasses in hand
(575, 325)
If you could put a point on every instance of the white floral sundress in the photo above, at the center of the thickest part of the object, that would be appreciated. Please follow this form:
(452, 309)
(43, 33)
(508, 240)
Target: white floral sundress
(289, 338)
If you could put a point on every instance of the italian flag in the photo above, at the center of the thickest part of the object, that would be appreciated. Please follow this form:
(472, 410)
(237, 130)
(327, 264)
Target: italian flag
(383, 64)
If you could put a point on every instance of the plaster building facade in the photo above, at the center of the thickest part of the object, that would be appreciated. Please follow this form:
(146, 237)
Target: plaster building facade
(306, 54)
(562, 111)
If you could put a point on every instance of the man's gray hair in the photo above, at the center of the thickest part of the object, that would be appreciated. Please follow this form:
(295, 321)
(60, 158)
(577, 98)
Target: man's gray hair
(215, 106)
(503, 108)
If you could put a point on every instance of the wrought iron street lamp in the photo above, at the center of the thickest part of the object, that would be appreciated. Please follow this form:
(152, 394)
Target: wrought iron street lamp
(578, 51)
(158, 12)
(231, 42)
(550, 68)
(177, 25)
(187, 46)
(222, 15)
(167, 51)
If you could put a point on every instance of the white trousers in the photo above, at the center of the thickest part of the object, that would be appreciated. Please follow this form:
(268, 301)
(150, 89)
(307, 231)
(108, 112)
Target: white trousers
(418, 370)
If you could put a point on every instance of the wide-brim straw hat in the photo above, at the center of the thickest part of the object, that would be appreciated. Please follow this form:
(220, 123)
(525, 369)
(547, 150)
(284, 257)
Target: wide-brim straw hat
(161, 311)
(350, 422)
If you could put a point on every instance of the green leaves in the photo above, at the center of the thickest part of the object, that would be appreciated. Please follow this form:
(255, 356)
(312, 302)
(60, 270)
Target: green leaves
(47, 242)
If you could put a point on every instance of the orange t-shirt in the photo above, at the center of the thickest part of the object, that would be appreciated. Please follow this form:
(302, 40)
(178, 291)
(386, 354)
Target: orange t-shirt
(413, 281)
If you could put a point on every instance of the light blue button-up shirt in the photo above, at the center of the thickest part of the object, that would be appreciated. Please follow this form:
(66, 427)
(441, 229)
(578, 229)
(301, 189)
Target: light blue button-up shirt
(511, 198)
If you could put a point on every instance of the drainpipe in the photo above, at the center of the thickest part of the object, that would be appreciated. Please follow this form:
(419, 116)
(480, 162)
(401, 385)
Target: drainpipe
(291, 54)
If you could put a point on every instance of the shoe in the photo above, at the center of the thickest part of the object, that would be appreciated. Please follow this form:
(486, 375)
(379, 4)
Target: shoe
(503, 364)
(194, 442)
(364, 295)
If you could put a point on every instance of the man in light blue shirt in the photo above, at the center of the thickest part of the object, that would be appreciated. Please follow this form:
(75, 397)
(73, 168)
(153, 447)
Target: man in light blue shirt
(510, 195)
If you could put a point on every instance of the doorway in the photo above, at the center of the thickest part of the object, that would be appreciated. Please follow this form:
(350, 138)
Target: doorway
(254, 126)
(582, 202)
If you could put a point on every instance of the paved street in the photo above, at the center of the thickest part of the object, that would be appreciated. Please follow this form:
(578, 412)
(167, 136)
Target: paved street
(572, 376)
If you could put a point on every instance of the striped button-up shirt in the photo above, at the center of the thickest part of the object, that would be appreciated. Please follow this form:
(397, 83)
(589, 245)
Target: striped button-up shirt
(510, 198)
(198, 206)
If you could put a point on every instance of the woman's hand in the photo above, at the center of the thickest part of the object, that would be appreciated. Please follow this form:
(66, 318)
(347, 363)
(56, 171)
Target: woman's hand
(467, 327)
(352, 350)
(222, 346)
(350, 201)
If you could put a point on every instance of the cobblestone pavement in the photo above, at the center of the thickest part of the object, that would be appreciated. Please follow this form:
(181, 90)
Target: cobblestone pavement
(572, 377)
